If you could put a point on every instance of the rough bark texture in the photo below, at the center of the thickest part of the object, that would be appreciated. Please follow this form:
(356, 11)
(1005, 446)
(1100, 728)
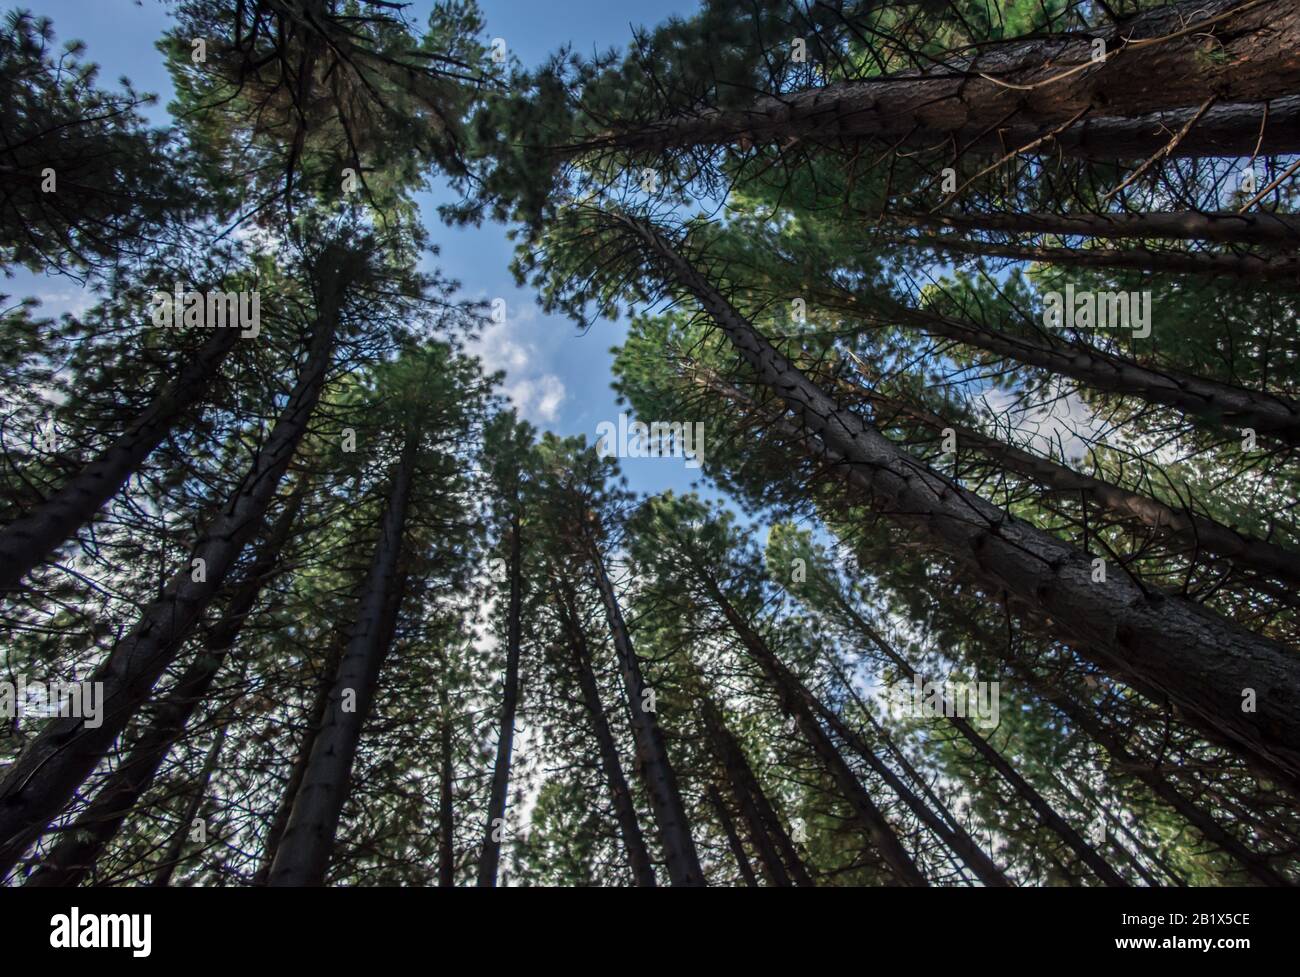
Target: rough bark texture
(491, 855)
(652, 753)
(304, 853)
(64, 753)
(1202, 662)
(1160, 61)
(446, 802)
(30, 540)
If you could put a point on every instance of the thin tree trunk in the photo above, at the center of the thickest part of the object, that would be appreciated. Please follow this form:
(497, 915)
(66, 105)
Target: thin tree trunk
(638, 855)
(1202, 532)
(174, 856)
(873, 822)
(491, 856)
(308, 843)
(1215, 403)
(661, 780)
(60, 758)
(1201, 661)
(446, 804)
(733, 839)
(1283, 270)
(1203, 821)
(1024, 790)
(31, 539)
(81, 845)
(1155, 62)
(765, 828)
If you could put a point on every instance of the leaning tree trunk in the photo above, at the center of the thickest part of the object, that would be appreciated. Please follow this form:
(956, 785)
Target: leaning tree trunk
(174, 854)
(1012, 92)
(30, 540)
(876, 827)
(1214, 403)
(733, 839)
(765, 828)
(446, 802)
(1202, 662)
(491, 855)
(1202, 532)
(1202, 820)
(81, 844)
(304, 853)
(60, 758)
(661, 780)
(638, 856)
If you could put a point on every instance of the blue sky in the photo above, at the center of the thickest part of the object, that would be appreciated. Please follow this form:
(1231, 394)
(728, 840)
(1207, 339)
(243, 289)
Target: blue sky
(558, 378)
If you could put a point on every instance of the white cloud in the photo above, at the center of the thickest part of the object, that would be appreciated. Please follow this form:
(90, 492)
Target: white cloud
(536, 393)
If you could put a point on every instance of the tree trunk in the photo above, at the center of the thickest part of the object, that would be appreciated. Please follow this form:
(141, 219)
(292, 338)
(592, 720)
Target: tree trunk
(765, 827)
(84, 841)
(1202, 662)
(620, 795)
(1201, 532)
(1203, 821)
(304, 853)
(491, 856)
(1155, 62)
(175, 852)
(660, 778)
(31, 539)
(1215, 403)
(60, 758)
(795, 701)
(446, 801)
(733, 839)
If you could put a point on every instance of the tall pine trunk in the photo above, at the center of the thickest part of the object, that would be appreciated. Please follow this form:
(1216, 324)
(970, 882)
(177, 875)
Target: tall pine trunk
(620, 795)
(174, 854)
(60, 758)
(81, 845)
(491, 855)
(31, 539)
(1157, 61)
(661, 780)
(304, 853)
(1202, 662)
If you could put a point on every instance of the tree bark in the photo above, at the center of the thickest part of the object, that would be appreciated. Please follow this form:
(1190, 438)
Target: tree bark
(1202, 662)
(1157, 61)
(620, 795)
(661, 780)
(491, 856)
(446, 802)
(175, 853)
(733, 839)
(61, 757)
(1202, 532)
(877, 829)
(304, 853)
(765, 828)
(80, 847)
(31, 539)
